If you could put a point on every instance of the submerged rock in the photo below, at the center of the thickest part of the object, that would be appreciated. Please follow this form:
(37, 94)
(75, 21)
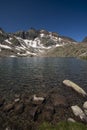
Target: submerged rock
(8, 107)
(75, 87)
(57, 100)
(19, 108)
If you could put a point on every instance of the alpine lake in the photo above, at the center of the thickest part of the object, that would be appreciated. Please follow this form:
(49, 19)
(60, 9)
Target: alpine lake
(34, 75)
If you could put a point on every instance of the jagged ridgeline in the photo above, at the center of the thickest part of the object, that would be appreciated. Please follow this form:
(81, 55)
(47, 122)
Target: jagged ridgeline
(40, 43)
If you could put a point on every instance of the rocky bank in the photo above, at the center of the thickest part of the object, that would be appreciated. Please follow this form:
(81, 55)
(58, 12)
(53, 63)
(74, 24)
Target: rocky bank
(28, 111)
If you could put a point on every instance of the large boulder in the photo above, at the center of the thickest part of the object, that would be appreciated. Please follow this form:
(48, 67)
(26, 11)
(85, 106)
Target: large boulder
(77, 111)
(75, 87)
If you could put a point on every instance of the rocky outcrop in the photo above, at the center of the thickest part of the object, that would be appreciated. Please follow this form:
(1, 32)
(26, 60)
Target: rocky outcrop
(33, 109)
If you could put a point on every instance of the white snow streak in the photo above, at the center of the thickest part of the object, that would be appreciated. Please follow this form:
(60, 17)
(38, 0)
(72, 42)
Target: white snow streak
(5, 46)
(8, 41)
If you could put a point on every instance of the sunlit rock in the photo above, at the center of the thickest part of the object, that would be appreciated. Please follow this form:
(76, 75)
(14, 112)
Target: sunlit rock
(75, 87)
(71, 120)
(85, 105)
(17, 100)
(77, 111)
(35, 98)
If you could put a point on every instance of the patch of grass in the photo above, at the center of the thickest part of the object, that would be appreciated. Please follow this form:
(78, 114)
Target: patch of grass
(63, 126)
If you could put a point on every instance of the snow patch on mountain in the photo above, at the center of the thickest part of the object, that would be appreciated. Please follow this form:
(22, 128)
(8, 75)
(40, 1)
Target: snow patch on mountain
(8, 41)
(5, 46)
(31, 43)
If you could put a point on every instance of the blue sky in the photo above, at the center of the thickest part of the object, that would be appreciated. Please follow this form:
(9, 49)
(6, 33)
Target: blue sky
(67, 17)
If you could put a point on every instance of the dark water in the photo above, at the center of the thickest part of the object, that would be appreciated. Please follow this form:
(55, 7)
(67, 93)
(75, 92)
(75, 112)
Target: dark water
(20, 75)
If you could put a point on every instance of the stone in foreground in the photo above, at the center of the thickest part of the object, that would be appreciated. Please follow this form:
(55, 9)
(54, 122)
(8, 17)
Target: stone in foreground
(77, 111)
(85, 105)
(75, 87)
(71, 120)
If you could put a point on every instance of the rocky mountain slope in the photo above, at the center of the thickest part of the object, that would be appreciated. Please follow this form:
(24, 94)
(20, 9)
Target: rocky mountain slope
(39, 43)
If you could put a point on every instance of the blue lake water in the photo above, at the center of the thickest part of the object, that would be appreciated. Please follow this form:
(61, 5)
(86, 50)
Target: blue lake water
(21, 75)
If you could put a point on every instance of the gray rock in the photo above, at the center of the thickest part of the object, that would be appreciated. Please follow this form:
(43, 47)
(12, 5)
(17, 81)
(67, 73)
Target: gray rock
(85, 111)
(71, 120)
(75, 87)
(85, 105)
(37, 100)
(77, 111)
(17, 100)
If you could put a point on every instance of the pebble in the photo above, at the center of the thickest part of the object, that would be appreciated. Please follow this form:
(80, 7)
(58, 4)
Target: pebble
(71, 120)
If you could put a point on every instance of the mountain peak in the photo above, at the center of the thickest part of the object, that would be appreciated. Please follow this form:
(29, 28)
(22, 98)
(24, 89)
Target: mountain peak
(1, 30)
(33, 43)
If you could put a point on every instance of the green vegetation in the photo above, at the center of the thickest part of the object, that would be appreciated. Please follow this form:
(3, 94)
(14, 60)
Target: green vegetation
(63, 126)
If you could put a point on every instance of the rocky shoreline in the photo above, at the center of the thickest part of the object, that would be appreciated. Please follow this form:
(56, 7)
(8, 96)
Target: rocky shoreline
(27, 112)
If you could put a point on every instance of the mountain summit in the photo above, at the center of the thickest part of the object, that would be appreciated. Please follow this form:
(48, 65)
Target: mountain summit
(34, 43)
